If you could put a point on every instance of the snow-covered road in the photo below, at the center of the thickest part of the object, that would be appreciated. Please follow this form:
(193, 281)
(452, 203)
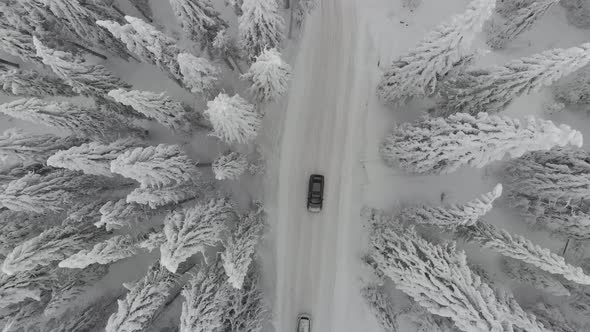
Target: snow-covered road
(317, 255)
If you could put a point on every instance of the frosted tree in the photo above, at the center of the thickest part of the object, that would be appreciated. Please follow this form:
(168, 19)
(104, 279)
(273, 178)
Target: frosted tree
(158, 197)
(156, 166)
(443, 145)
(19, 287)
(87, 79)
(19, 82)
(241, 246)
(81, 319)
(575, 89)
(152, 241)
(260, 26)
(269, 76)
(92, 158)
(198, 74)
(144, 300)
(500, 33)
(18, 44)
(493, 89)
(199, 20)
(518, 247)
(54, 244)
(91, 123)
(15, 144)
(229, 166)
(561, 218)
(149, 44)
(526, 274)
(191, 230)
(417, 73)
(246, 308)
(205, 299)
(157, 106)
(438, 278)
(116, 248)
(25, 316)
(452, 216)
(381, 305)
(120, 214)
(17, 227)
(234, 120)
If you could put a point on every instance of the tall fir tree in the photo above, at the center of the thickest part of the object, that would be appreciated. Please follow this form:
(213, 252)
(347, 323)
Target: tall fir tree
(260, 26)
(269, 76)
(18, 44)
(229, 166)
(30, 83)
(15, 144)
(246, 308)
(111, 250)
(381, 306)
(443, 145)
(120, 214)
(493, 89)
(417, 73)
(198, 74)
(156, 197)
(526, 274)
(234, 120)
(199, 20)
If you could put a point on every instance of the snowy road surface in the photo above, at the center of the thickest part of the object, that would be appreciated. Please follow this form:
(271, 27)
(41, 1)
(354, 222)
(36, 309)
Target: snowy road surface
(317, 255)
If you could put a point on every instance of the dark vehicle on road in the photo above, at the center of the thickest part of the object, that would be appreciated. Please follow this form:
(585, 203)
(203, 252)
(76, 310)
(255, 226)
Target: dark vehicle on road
(304, 323)
(315, 193)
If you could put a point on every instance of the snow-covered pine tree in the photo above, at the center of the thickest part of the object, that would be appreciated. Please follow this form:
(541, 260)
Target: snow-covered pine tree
(246, 308)
(526, 274)
(157, 106)
(381, 305)
(16, 227)
(52, 245)
(438, 278)
(149, 44)
(234, 120)
(86, 123)
(120, 214)
(30, 83)
(260, 26)
(143, 301)
(15, 144)
(156, 166)
(205, 298)
(18, 44)
(229, 166)
(199, 20)
(198, 74)
(94, 157)
(25, 316)
(111, 250)
(269, 76)
(518, 247)
(158, 197)
(82, 319)
(561, 218)
(241, 246)
(191, 230)
(452, 216)
(500, 33)
(417, 73)
(493, 89)
(19, 287)
(575, 89)
(436, 145)
(152, 241)
(86, 79)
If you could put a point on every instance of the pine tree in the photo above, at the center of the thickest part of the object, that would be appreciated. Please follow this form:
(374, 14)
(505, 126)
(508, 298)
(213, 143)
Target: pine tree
(516, 23)
(86, 79)
(205, 298)
(81, 319)
(152, 241)
(260, 26)
(518, 247)
(19, 287)
(453, 215)
(443, 145)
(116, 248)
(199, 20)
(145, 298)
(198, 74)
(438, 278)
(149, 44)
(15, 144)
(493, 89)
(417, 73)
(246, 308)
(381, 305)
(158, 197)
(120, 214)
(575, 89)
(25, 316)
(234, 120)
(156, 166)
(241, 246)
(17, 227)
(54, 244)
(30, 83)
(269, 75)
(561, 218)
(157, 106)
(229, 166)
(526, 274)
(191, 230)
(18, 44)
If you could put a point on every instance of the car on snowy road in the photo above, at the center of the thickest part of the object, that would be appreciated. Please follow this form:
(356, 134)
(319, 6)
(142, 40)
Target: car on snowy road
(304, 323)
(315, 193)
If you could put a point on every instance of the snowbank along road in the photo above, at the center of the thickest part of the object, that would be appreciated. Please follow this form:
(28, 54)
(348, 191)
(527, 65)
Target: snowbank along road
(323, 132)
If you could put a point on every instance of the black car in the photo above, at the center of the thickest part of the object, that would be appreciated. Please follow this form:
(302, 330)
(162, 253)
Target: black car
(315, 193)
